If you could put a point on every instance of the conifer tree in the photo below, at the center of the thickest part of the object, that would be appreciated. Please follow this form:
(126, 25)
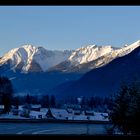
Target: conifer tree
(6, 91)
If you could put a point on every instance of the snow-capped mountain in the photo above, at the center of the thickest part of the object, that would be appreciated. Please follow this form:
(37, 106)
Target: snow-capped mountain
(31, 58)
(93, 56)
(93, 52)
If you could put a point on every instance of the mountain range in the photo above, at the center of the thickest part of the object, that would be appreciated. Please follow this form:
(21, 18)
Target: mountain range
(29, 58)
(85, 71)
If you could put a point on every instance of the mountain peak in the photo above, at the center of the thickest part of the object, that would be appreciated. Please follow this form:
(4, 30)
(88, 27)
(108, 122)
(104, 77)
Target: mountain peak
(28, 47)
(30, 58)
(87, 47)
(89, 53)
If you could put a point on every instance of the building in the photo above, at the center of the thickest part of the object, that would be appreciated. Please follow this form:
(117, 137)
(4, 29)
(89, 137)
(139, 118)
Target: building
(89, 113)
(36, 107)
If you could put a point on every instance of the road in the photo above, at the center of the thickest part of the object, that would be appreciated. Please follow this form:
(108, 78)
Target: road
(52, 128)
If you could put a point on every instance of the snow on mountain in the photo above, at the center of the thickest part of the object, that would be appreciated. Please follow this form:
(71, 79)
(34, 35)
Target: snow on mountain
(31, 58)
(93, 52)
(46, 58)
(84, 59)
(34, 59)
(90, 57)
(127, 49)
(115, 53)
(89, 53)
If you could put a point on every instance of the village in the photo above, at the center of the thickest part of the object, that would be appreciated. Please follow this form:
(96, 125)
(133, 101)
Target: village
(38, 113)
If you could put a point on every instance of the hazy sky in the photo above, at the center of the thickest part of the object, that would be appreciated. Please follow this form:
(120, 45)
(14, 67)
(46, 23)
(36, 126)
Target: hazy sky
(68, 27)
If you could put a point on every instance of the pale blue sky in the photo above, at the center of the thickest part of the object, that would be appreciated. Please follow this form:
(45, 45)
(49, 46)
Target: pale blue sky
(68, 27)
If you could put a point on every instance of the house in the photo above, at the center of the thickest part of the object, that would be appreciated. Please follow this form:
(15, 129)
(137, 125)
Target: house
(37, 115)
(89, 113)
(69, 110)
(77, 112)
(60, 114)
(25, 113)
(35, 107)
(105, 115)
(43, 109)
(25, 110)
